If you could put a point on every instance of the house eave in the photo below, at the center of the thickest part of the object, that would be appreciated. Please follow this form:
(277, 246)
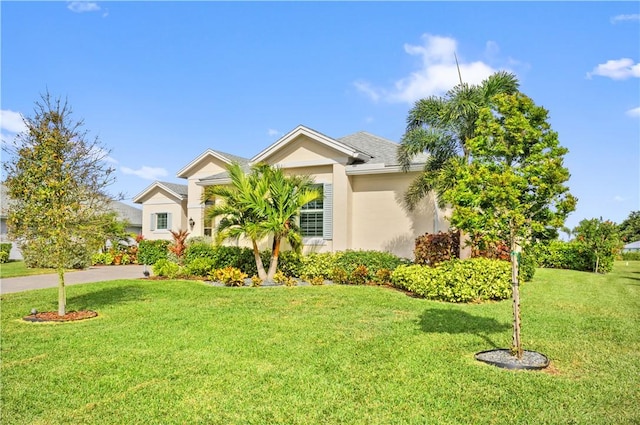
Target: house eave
(212, 182)
(363, 169)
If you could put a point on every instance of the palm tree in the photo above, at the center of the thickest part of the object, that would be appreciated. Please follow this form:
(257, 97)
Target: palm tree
(287, 195)
(239, 218)
(263, 202)
(441, 127)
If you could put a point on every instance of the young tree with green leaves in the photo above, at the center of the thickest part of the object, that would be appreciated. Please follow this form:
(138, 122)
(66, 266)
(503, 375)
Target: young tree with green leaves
(600, 238)
(515, 183)
(57, 180)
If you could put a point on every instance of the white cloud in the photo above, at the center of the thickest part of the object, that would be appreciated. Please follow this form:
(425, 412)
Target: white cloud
(635, 112)
(618, 198)
(11, 121)
(622, 18)
(274, 133)
(365, 88)
(437, 74)
(83, 6)
(147, 173)
(617, 69)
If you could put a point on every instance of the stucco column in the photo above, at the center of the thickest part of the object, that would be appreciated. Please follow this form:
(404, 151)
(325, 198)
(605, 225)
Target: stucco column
(341, 208)
(195, 208)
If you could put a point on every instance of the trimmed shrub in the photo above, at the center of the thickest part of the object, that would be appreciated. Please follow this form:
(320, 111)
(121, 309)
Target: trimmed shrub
(166, 268)
(565, 255)
(477, 279)
(5, 251)
(289, 263)
(361, 266)
(149, 252)
(199, 250)
(200, 267)
(317, 265)
(630, 256)
(432, 249)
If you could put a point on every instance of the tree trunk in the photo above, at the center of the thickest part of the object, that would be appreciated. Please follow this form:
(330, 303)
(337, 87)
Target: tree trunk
(256, 254)
(62, 295)
(597, 261)
(273, 266)
(465, 246)
(516, 346)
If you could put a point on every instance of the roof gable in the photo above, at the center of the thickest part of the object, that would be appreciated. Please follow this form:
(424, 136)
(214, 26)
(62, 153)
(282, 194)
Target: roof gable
(317, 137)
(222, 158)
(177, 191)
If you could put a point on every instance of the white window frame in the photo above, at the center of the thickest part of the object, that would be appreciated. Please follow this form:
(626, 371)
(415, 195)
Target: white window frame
(327, 217)
(155, 218)
(308, 210)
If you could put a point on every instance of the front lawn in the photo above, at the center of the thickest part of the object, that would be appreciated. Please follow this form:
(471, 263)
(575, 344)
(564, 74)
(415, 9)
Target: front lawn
(16, 268)
(183, 352)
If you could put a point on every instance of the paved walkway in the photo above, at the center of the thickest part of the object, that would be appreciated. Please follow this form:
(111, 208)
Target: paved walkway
(92, 274)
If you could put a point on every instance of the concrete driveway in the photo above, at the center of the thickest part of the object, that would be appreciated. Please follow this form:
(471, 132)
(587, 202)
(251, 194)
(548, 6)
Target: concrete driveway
(92, 274)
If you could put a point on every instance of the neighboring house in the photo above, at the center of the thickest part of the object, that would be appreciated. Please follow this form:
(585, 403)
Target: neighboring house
(125, 212)
(632, 247)
(131, 214)
(362, 183)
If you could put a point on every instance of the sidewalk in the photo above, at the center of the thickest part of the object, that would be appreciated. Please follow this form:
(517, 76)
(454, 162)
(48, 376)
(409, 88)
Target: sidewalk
(92, 274)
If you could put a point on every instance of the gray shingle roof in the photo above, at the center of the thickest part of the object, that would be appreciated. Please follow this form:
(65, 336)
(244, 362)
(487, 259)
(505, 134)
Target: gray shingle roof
(126, 212)
(232, 157)
(180, 189)
(382, 151)
(379, 149)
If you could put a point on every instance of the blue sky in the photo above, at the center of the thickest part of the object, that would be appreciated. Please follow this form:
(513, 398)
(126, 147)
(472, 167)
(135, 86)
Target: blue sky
(160, 82)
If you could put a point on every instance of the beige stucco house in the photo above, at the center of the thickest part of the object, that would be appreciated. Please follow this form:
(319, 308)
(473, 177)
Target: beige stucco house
(362, 183)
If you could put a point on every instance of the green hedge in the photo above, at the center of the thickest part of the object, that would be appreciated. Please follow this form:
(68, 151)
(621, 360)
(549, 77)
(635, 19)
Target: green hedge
(572, 256)
(318, 265)
(149, 252)
(630, 256)
(477, 279)
(361, 267)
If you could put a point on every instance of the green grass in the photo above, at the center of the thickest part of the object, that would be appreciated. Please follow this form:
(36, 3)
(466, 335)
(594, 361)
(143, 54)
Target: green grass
(182, 352)
(17, 268)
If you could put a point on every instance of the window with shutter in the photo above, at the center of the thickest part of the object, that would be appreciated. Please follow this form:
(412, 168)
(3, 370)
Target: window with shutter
(311, 217)
(327, 213)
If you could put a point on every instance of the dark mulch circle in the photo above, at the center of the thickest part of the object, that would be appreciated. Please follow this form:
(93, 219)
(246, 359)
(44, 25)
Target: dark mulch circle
(52, 316)
(531, 360)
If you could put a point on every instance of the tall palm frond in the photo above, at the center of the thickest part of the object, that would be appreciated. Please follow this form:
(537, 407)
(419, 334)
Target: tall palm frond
(441, 128)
